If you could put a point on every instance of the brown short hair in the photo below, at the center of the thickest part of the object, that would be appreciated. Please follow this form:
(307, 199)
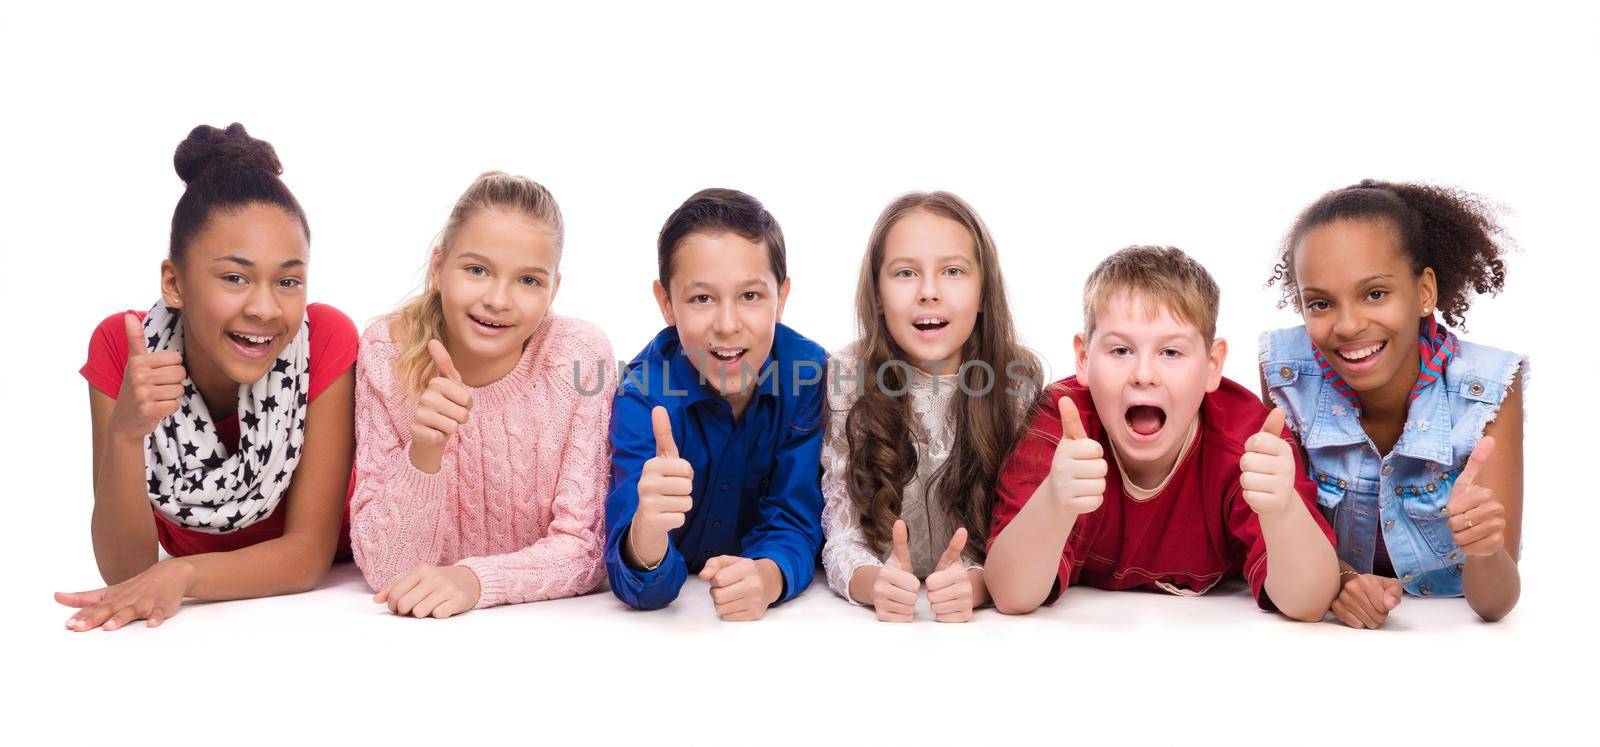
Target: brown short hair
(1161, 274)
(719, 210)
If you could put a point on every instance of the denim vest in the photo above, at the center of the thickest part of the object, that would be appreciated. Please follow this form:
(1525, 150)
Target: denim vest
(1405, 491)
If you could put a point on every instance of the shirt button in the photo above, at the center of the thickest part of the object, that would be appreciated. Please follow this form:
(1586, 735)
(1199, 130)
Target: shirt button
(1388, 469)
(1388, 526)
(1287, 373)
(716, 525)
(723, 487)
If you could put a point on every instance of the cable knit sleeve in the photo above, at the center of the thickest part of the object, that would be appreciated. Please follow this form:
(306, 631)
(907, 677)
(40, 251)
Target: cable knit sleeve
(568, 559)
(846, 548)
(397, 513)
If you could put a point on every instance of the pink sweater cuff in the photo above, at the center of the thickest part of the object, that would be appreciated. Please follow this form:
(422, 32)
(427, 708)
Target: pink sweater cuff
(491, 585)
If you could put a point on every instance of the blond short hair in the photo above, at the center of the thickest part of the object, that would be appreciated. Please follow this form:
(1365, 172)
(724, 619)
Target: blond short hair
(1162, 275)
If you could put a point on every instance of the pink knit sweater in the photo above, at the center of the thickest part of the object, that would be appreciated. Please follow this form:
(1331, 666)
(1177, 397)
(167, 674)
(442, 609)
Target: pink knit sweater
(520, 497)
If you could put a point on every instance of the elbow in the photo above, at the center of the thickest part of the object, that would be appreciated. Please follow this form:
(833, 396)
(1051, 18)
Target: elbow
(1305, 615)
(1009, 603)
(1494, 612)
(309, 578)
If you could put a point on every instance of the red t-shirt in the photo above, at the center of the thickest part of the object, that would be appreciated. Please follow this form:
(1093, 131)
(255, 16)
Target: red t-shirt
(333, 351)
(1196, 532)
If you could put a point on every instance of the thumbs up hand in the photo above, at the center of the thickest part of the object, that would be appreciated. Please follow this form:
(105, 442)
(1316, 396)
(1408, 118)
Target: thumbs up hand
(1477, 519)
(894, 593)
(665, 484)
(950, 586)
(152, 382)
(441, 409)
(1267, 469)
(1078, 472)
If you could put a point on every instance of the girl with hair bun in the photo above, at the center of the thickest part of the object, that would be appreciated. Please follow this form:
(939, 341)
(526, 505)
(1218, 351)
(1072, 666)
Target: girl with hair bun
(482, 419)
(222, 417)
(1414, 437)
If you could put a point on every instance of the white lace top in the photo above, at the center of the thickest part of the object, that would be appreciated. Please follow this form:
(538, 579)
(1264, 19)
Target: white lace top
(932, 432)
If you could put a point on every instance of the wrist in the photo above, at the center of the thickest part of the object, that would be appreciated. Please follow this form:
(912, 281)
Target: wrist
(1283, 512)
(649, 559)
(471, 584)
(181, 569)
(771, 579)
(426, 459)
(128, 437)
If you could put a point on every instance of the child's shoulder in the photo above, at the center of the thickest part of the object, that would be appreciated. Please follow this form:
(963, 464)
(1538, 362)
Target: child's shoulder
(1289, 343)
(1046, 418)
(1483, 372)
(792, 345)
(377, 333)
(328, 320)
(1231, 415)
(570, 338)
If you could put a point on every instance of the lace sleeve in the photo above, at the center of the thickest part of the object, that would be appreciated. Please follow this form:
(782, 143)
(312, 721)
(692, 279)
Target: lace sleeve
(846, 548)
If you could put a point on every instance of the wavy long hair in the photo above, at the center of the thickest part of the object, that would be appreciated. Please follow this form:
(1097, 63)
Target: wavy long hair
(882, 459)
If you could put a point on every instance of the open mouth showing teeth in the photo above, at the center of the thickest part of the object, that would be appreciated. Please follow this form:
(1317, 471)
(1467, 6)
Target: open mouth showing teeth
(928, 325)
(1146, 420)
(727, 356)
(487, 323)
(1362, 353)
(251, 341)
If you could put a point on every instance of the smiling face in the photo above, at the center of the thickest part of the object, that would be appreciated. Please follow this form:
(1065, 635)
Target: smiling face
(241, 287)
(1361, 302)
(1148, 372)
(929, 289)
(726, 303)
(496, 283)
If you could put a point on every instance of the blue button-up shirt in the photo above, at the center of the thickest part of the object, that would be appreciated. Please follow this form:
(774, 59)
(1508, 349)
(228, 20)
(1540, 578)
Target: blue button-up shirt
(756, 492)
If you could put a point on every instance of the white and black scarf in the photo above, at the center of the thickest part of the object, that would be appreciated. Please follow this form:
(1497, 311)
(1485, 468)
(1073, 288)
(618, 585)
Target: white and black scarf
(191, 477)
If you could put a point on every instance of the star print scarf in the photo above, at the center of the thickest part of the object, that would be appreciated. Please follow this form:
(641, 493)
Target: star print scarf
(1436, 344)
(191, 477)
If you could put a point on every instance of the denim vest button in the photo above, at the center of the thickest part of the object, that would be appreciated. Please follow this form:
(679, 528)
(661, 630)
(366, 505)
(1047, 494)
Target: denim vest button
(1475, 389)
(1287, 373)
(1388, 469)
(1406, 577)
(1458, 566)
(1341, 485)
(1431, 487)
(1455, 556)
(1425, 589)
(1444, 511)
(1398, 490)
(1388, 526)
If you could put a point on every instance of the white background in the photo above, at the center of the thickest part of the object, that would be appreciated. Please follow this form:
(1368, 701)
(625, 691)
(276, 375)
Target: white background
(1073, 131)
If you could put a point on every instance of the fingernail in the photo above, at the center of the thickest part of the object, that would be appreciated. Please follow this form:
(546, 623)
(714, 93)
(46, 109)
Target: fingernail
(109, 626)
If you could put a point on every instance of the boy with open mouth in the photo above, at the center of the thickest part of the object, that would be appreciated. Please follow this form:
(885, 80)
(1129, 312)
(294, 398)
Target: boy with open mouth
(1150, 470)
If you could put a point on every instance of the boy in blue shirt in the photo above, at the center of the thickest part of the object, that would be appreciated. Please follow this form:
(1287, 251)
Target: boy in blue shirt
(716, 431)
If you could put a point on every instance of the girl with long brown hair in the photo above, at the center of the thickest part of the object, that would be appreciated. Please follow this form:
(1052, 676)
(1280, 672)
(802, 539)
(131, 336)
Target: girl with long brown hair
(923, 409)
